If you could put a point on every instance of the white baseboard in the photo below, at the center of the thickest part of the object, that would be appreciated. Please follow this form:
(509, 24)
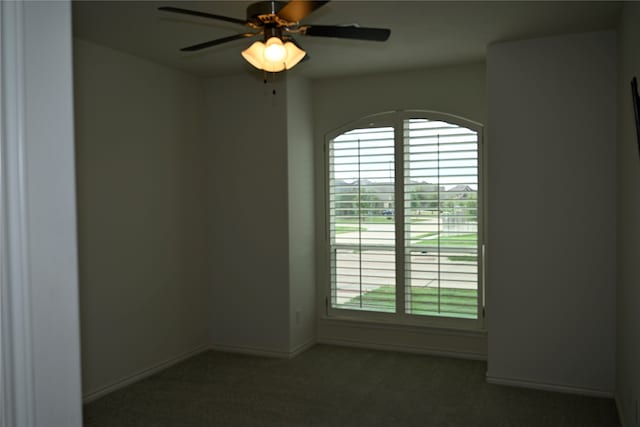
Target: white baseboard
(259, 351)
(516, 382)
(620, 411)
(302, 348)
(430, 351)
(130, 379)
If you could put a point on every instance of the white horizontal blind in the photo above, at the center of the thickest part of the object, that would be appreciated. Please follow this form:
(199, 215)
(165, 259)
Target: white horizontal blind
(441, 219)
(436, 271)
(362, 220)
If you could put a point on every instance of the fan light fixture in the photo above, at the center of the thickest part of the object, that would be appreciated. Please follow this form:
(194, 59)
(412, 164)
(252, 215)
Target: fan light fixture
(275, 22)
(274, 55)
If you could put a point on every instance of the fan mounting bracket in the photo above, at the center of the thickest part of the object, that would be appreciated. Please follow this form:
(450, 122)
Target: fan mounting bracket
(266, 13)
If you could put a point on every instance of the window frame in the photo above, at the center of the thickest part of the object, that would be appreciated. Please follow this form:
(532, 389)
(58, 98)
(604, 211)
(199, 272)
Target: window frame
(395, 119)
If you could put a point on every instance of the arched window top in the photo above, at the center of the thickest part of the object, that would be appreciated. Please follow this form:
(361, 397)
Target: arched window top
(392, 117)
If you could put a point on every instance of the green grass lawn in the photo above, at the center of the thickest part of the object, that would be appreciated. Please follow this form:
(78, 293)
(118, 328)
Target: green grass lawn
(461, 303)
(463, 258)
(469, 240)
(414, 220)
(339, 229)
(373, 219)
(422, 236)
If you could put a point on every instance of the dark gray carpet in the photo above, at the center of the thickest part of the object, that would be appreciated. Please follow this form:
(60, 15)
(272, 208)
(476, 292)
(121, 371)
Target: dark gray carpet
(338, 386)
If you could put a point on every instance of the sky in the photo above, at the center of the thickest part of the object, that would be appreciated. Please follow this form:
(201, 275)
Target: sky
(434, 151)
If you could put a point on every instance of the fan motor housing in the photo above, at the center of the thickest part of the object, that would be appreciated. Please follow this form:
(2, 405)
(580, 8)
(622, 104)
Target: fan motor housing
(266, 12)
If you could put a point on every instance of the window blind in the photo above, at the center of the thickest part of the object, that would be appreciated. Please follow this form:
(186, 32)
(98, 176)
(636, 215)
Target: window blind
(441, 219)
(362, 220)
(435, 272)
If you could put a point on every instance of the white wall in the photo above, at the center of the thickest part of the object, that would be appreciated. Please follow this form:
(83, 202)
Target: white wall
(52, 234)
(301, 213)
(248, 214)
(39, 346)
(457, 90)
(552, 218)
(52, 220)
(628, 295)
(260, 195)
(139, 136)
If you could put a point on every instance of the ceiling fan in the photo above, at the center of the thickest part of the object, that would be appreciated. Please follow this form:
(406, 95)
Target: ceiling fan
(276, 22)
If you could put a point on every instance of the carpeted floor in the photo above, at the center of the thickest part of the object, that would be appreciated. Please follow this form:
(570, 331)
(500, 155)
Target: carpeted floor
(338, 386)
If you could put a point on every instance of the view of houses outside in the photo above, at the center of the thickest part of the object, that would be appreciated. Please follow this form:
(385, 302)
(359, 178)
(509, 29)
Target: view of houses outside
(440, 220)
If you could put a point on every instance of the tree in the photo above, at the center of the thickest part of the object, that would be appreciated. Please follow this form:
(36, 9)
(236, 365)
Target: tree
(369, 202)
(346, 204)
(424, 197)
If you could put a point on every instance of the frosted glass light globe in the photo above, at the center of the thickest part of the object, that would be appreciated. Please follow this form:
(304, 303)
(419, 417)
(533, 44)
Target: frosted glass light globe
(275, 51)
(273, 56)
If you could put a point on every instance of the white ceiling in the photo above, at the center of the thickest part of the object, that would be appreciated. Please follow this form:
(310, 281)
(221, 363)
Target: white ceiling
(423, 33)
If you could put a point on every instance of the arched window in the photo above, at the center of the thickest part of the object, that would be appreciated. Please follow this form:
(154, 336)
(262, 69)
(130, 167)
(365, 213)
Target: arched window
(404, 213)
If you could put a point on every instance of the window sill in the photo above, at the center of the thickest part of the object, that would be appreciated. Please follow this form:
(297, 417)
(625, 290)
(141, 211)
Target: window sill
(403, 337)
(407, 325)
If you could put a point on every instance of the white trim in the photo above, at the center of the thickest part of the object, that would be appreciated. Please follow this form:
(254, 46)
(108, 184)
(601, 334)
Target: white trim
(438, 341)
(140, 375)
(562, 388)
(620, 411)
(253, 351)
(260, 351)
(144, 373)
(429, 351)
(302, 348)
(417, 327)
(5, 369)
(18, 396)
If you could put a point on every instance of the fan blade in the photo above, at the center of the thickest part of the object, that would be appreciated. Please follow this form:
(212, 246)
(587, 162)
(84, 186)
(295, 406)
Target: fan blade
(347, 32)
(295, 10)
(202, 14)
(216, 42)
